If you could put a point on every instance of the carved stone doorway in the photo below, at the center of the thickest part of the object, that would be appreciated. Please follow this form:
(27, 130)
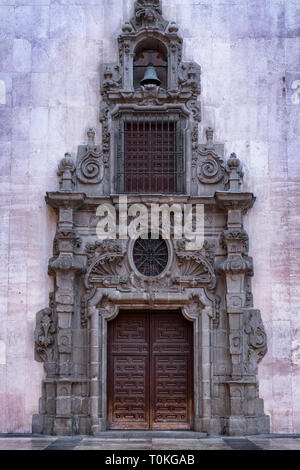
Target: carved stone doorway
(150, 371)
(96, 277)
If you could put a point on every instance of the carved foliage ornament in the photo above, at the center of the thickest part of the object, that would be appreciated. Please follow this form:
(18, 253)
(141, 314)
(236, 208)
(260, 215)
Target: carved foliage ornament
(44, 334)
(189, 78)
(148, 14)
(256, 340)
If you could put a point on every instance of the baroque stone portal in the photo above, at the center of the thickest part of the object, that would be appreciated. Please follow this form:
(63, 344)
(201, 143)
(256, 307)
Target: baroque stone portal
(150, 151)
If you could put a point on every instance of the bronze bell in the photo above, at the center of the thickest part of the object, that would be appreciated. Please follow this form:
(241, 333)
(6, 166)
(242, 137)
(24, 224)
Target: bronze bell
(150, 77)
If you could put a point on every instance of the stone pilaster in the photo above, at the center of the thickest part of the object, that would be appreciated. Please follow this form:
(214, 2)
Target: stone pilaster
(246, 413)
(57, 401)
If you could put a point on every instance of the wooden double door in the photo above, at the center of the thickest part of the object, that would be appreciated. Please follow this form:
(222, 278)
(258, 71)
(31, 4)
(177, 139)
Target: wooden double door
(150, 371)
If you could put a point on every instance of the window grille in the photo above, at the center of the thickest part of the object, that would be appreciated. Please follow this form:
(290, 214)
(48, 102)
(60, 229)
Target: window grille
(150, 153)
(150, 256)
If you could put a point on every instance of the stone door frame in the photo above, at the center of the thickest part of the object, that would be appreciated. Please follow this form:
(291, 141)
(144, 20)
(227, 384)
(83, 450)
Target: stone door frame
(105, 306)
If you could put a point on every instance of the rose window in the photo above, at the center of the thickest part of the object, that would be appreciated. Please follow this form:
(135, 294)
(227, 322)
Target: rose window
(150, 256)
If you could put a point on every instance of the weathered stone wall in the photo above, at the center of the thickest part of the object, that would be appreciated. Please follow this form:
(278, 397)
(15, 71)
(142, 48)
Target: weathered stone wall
(49, 95)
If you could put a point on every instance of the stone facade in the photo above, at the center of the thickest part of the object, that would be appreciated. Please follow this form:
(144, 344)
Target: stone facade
(50, 92)
(95, 279)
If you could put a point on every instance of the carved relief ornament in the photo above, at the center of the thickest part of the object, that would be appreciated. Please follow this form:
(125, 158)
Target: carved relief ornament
(45, 332)
(256, 344)
(90, 166)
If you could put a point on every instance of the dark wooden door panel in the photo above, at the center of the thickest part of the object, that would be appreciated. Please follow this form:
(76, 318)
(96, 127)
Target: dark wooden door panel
(128, 372)
(170, 390)
(150, 371)
(171, 371)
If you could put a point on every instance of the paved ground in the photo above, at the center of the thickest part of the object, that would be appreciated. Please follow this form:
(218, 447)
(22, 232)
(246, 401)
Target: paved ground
(38, 442)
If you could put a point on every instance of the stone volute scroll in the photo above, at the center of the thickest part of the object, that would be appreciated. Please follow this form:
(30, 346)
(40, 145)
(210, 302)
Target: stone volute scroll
(211, 165)
(90, 166)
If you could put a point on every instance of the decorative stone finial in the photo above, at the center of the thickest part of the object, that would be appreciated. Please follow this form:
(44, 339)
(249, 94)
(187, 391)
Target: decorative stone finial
(209, 137)
(234, 169)
(91, 136)
(173, 27)
(127, 28)
(233, 161)
(66, 168)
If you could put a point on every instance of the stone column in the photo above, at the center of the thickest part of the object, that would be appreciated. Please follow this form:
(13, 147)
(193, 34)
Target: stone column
(93, 314)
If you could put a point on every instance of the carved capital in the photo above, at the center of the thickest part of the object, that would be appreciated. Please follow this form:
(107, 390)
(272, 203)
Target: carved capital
(236, 264)
(66, 240)
(235, 241)
(64, 262)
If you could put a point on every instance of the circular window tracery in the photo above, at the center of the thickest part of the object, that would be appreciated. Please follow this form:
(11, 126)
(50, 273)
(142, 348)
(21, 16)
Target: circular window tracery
(150, 256)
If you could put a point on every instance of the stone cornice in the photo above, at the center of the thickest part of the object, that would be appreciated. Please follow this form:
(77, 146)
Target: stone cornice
(58, 199)
(229, 200)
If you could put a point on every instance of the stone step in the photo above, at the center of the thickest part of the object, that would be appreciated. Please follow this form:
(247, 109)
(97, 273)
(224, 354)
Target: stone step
(150, 434)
